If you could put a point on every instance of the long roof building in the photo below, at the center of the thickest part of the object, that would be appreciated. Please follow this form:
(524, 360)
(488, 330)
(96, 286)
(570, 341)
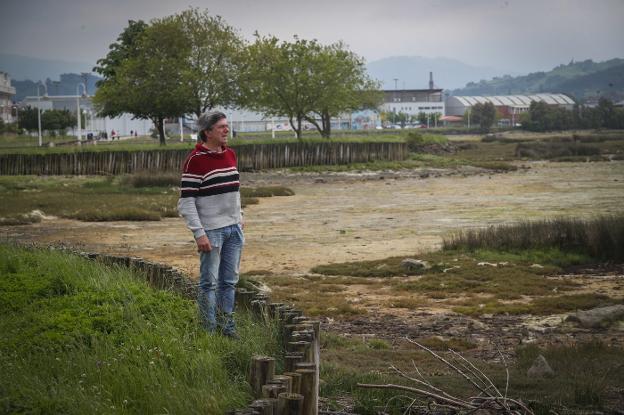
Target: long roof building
(458, 105)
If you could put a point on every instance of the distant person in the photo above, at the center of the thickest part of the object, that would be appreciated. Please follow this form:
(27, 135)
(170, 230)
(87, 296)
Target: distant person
(131, 135)
(113, 135)
(210, 204)
(136, 134)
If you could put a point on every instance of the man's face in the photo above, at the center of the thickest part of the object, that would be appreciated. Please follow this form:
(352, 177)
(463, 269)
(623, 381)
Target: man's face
(218, 135)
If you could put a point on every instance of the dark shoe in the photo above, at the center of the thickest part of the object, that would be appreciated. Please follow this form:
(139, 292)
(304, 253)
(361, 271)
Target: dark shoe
(232, 335)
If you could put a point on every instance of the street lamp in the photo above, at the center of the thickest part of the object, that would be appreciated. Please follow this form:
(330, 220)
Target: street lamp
(45, 96)
(78, 114)
(16, 115)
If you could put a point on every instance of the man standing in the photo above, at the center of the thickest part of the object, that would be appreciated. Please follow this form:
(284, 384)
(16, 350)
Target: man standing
(210, 204)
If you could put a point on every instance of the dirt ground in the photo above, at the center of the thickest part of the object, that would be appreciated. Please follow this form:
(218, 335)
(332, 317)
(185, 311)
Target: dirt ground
(363, 216)
(357, 216)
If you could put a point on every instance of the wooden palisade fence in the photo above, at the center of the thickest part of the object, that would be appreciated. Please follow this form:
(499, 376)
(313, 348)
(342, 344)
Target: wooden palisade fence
(296, 390)
(250, 157)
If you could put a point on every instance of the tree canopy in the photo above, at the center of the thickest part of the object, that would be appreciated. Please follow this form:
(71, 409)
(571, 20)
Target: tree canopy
(212, 64)
(145, 74)
(304, 80)
(483, 114)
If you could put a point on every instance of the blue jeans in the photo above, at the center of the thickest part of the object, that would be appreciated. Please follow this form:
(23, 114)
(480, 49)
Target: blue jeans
(219, 271)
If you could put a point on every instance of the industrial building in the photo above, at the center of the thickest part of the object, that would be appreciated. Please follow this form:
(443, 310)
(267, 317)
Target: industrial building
(508, 106)
(414, 101)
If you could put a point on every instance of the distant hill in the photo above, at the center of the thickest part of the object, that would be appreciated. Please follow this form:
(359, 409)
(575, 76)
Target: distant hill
(581, 80)
(21, 68)
(412, 72)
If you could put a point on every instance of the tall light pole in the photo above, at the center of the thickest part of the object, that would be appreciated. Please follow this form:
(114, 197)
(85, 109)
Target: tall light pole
(78, 114)
(16, 115)
(395, 92)
(45, 95)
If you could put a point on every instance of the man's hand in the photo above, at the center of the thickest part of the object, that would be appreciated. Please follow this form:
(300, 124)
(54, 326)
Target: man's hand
(203, 244)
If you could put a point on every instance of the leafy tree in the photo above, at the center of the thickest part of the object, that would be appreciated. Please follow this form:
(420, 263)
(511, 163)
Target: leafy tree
(57, 120)
(145, 74)
(213, 60)
(276, 79)
(28, 119)
(483, 114)
(340, 78)
(304, 80)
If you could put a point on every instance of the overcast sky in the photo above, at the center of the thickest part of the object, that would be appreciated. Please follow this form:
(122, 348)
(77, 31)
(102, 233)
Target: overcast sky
(518, 35)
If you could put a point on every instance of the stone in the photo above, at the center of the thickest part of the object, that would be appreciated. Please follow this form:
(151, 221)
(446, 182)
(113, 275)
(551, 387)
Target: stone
(411, 264)
(598, 317)
(540, 368)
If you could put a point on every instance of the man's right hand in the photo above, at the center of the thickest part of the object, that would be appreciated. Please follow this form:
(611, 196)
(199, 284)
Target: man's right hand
(203, 244)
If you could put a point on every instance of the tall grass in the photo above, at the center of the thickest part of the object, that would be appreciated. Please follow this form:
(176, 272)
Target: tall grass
(77, 337)
(600, 238)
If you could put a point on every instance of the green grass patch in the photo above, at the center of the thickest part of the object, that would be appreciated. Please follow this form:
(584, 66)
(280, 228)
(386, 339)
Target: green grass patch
(550, 150)
(542, 306)
(266, 191)
(20, 219)
(587, 376)
(80, 337)
(138, 197)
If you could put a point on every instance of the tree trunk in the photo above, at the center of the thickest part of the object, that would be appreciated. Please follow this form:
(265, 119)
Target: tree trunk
(326, 120)
(160, 125)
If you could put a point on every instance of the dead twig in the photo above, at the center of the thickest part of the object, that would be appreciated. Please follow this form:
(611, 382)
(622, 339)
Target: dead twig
(489, 397)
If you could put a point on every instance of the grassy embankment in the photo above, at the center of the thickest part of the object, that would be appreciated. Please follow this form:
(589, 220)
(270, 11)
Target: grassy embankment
(79, 337)
(502, 270)
(137, 197)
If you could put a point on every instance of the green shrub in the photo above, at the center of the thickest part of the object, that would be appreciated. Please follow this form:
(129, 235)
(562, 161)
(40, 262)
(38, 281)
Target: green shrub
(416, 140)
(600, 238)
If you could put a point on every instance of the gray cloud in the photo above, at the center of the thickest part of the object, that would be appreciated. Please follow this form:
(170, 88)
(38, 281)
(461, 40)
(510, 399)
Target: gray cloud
(520, 35)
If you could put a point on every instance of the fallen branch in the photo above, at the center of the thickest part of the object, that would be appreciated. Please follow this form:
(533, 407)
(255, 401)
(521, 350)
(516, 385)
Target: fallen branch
(489, 397)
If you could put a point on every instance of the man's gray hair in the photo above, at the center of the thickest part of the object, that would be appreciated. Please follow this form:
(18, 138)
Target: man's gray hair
(206, 121)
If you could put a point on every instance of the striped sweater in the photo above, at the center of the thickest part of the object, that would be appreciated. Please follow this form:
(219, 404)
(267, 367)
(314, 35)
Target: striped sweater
(209, 191)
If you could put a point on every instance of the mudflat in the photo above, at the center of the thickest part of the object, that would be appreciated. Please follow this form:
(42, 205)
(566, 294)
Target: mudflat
(360, 215)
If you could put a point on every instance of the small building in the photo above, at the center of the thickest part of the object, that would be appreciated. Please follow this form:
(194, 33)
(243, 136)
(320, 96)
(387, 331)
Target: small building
(6, 94)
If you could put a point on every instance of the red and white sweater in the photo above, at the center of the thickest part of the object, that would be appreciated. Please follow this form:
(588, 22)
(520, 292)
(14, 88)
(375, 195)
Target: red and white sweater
(209, 191)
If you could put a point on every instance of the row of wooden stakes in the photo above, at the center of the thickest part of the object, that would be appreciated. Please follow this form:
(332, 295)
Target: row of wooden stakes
(296, 390)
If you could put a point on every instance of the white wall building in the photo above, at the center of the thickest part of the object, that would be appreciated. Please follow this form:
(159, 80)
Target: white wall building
(94, 124)
(6, 103)
(413, 101)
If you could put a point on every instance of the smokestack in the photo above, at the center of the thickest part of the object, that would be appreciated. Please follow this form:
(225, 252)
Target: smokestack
(430, 80)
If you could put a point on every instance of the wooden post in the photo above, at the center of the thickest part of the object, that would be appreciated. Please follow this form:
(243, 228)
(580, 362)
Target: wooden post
(283, 380)
(273, 309)
(298, 347)
(309, 390)
(263, 406)
(291, 359)
(272, 390)
(290, 404)
(261, 371)
(295, 379)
